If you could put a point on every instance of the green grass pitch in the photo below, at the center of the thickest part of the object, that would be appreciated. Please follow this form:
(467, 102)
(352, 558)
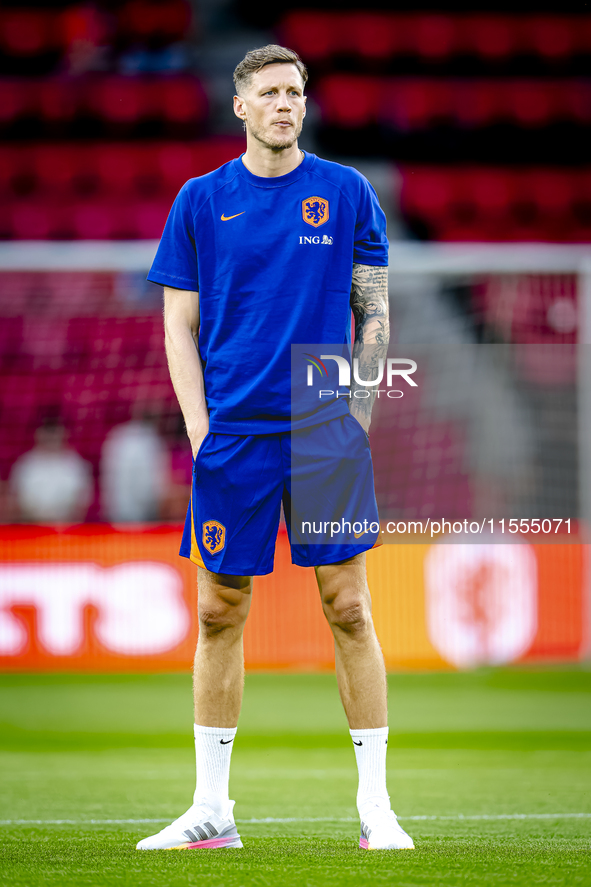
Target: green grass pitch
(490, 772)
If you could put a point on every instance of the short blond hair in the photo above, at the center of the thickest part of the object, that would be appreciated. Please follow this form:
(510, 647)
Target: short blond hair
(257, 59)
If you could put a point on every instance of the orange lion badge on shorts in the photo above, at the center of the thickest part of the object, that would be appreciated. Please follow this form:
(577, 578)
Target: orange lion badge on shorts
(315, 211)
(214, 536)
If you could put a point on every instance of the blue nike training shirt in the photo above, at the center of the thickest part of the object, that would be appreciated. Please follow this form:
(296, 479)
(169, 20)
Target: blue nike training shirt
(272, 260)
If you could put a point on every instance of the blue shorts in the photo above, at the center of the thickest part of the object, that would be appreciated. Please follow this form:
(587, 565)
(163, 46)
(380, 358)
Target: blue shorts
(323, 475)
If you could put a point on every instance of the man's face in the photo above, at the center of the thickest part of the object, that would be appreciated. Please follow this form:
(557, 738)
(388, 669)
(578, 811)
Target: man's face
(273, 107)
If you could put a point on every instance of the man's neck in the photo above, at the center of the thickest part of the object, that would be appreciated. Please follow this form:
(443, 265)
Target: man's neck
(263, 161)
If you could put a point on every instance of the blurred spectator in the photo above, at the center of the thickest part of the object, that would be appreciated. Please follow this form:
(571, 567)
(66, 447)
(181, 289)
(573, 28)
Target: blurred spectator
(85, 32)
(134, 469)
(51, 483)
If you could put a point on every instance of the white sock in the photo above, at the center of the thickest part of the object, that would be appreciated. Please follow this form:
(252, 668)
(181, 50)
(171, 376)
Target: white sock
(370, 752)
(213, 750)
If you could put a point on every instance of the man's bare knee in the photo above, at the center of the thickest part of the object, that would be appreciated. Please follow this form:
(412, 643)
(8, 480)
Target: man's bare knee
(348, 611)
(224, 602)
(345, 596)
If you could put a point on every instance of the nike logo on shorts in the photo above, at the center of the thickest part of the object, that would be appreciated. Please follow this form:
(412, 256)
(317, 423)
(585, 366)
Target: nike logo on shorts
(362, 533)
(227, 218)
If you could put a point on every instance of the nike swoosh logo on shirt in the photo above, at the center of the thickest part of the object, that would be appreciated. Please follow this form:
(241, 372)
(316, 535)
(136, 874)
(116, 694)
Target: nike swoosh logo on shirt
(362, 533)
(227, 218)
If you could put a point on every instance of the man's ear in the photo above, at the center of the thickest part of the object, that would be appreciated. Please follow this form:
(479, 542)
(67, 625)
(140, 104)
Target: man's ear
(239, 109)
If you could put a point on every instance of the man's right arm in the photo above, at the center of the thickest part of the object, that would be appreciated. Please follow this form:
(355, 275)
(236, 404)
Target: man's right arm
(181, 336)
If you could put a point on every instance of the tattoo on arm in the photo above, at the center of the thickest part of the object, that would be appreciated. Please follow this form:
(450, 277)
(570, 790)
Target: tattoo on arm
(369, 302)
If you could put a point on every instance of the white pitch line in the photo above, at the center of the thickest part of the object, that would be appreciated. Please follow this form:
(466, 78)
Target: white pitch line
(459, 817)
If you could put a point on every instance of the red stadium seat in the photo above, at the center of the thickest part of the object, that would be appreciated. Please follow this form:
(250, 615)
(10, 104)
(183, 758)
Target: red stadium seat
(490, 189)
(583, 183)
(55, 166)
(119, 100)
(149, 19)
(176, 164)
(450, 230)
(181, 99)
(314, 33)
(529, 102)
(95, 220)
(583, 34)
(347, 100)
(57, 100)
(17, 100)
(427, 192)
(477, 103)
(11, 163)
(575, 102)
(210, 153)
(27, 32)
(148, 178)
(582, 206)
(10, 341)
(149, 218)
(552, 190)
(83, 24)
(371, 35)
(551, 36)
(116, 166)
(433, 36)
(31, 220)
(490, 36)
(415, 103)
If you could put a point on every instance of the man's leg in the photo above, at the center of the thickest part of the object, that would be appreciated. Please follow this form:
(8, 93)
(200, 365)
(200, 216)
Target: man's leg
(361, 676)
(223, 605)
(218, 677)
(218, 681)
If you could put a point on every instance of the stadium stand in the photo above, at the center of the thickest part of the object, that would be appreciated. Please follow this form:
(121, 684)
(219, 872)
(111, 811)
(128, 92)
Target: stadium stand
(112, 190)
(45, 38)
(367, 36)
(107, 109)
(498, 204)
(102, 105)
(490, 90)
(411, 103)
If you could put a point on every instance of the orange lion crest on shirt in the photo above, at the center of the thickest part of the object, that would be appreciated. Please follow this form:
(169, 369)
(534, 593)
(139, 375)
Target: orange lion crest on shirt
(315, 211)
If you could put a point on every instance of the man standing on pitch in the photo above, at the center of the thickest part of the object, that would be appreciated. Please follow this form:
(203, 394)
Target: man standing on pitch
(243, 281)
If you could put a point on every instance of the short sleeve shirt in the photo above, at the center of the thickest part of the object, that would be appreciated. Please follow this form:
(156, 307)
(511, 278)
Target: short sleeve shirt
(272, 260)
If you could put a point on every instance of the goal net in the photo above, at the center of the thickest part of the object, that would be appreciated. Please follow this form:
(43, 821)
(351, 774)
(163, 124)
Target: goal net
(498, 427)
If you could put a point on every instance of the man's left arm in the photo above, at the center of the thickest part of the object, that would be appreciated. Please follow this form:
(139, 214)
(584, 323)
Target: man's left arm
(369, 302)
